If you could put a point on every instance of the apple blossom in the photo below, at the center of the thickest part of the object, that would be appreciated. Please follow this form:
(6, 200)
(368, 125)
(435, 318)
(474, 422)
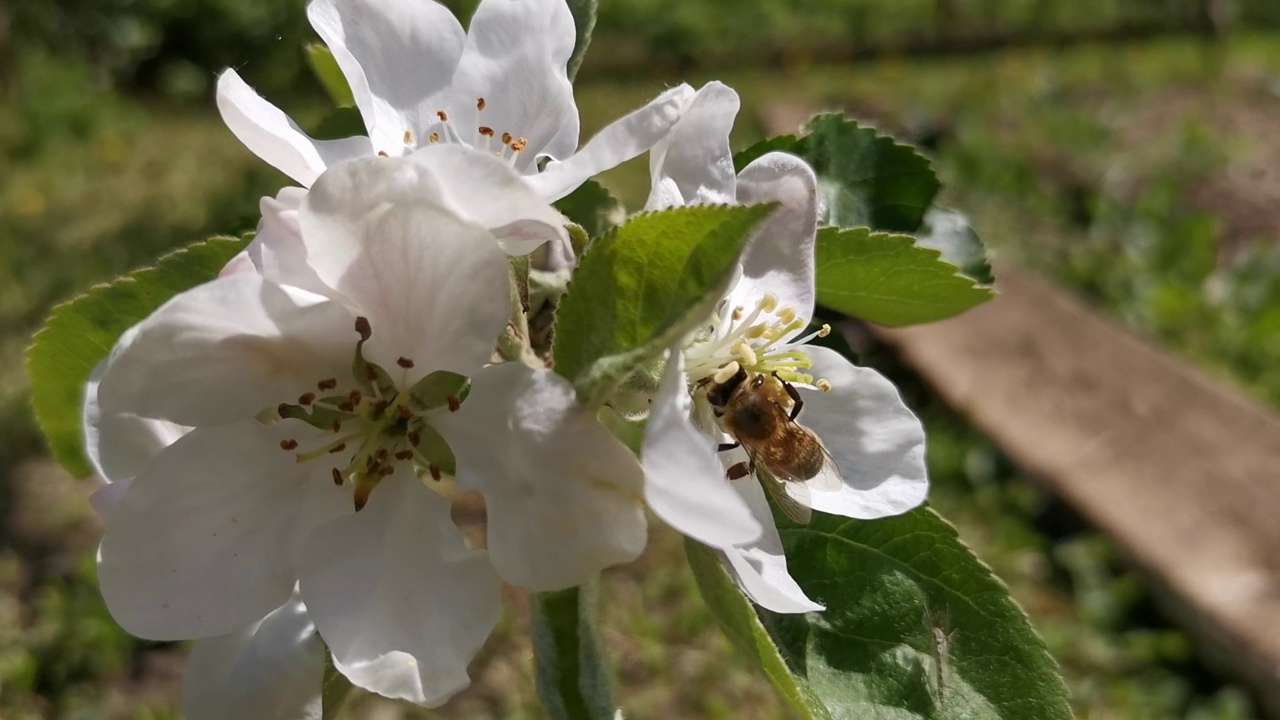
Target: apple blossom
(759, 326)
(418, 79)
(271, 669)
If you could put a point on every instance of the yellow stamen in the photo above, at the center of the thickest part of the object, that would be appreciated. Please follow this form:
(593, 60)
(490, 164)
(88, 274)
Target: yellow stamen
(787, 315)
(824, 385)
(408, 138)
(824, 331)
(747, 354)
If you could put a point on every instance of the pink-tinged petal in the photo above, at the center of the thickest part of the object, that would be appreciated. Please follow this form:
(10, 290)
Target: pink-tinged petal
(779, 254)
(685, 484)
(396, 55)
(398, 597)
(227, 350)
(875, 439)
(200, 545)
(433, 287)
(271, 670)
(617, 143)
(564, 495)
(693, 165)
(760, 567)
(515, 58)
(120, 444)
(272, 136)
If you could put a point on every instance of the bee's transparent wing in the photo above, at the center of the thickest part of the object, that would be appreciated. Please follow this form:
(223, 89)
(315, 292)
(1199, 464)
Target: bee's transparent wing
(792, 498)
(829, 478)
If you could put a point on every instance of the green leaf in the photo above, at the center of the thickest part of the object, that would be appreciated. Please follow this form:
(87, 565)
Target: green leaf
(569, 668)
(592, 207)
(949, 232)
(80, 333)
(889, 279)
(737, 618)
(339, 123)
(641, 287)
(326, 69)
(584, 22)
(865, 179)
(915, 626)
(335, 688)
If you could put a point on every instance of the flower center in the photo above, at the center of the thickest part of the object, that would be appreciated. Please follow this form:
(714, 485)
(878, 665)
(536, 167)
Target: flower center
(375, 426)
(754, 342)
(502, 144)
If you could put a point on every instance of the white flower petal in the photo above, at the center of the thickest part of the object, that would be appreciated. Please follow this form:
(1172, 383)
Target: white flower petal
(685, 484)
(484, 190)
(875, 439)
(277, 251)
(563, 494)
(396, 55)
(695, 156)
(401, 602)
(760, 567)
(227, 350)
(779, 255)
(434, 287)
(617, 143)
(515, 58)
(271, 670)
(272, 136)
(120, 444)
(200, 545)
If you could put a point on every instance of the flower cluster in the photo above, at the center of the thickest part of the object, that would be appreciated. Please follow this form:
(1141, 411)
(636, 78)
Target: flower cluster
(283, 445)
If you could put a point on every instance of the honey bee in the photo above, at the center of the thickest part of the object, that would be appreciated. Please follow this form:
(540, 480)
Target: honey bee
(787, 457)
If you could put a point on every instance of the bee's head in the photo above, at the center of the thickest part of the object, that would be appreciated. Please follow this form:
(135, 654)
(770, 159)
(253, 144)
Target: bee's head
(724, 383)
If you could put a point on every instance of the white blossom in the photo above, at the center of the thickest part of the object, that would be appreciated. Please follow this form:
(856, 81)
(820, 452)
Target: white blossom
(298, 398)
(876, 443)
(418, 79)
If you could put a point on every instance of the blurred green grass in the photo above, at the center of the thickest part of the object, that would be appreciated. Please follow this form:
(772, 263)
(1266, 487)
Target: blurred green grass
(1134, 172)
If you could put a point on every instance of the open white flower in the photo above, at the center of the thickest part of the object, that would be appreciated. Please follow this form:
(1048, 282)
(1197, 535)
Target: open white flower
(418, 79)
(219, 527)
(876, 443)
(271, 670)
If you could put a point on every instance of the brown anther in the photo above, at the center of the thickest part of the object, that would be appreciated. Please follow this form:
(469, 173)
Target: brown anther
(434, 138)
(386, 471)
(444, 116)
(435, 471)
(506, 138)
(336, 426)
(486, 131)
(480, 103)
(380, 407)
(404, 362)
(289, 444)
(354, 397)
(454, 402)
(414, 438)
(370, 374)
(306, 398)
(337, 476)
(363, 327)
(381, 455)
(329, 384)
(338, 448)
(404, 412)
(383, 153)
(408, 138)
(519, 144)
(346, 406)
(404, 454)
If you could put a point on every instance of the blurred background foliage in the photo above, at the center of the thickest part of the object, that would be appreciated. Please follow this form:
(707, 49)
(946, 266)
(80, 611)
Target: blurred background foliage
(1125, 147)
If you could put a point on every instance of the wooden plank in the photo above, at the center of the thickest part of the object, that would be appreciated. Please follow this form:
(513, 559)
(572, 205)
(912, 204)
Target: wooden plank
(1181, 471)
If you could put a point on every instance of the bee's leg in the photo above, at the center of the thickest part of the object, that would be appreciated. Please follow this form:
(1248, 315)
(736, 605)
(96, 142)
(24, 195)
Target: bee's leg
(738, 471)
(727, 446)
(796, 402)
